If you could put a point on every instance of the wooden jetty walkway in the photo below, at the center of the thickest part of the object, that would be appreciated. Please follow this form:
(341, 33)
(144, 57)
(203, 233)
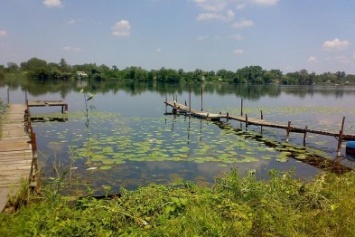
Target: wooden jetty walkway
(18, 159)
(46, 103)
(183, 108)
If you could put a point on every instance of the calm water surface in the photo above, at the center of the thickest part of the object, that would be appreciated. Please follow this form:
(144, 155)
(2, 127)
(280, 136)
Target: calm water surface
(127, 141)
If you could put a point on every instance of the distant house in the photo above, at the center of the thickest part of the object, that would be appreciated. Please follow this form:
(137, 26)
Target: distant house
(81, 74)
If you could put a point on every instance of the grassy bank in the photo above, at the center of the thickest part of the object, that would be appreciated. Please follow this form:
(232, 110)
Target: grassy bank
(280, 206)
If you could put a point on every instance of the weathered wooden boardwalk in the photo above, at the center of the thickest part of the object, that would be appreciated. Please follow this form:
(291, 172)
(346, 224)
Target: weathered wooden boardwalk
(48, 103)
(181, 108)
(16, 152)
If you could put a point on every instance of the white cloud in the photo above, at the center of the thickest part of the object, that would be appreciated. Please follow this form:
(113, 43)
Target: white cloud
(215, 16)
(53, 3)
(335, 44)
(266, 2)
(243, 24)
(3, 33)
(220, 5)
(159, 50)
(122, 28)
(312, 59)
(211, 5)
(72, 49)
(238, 51)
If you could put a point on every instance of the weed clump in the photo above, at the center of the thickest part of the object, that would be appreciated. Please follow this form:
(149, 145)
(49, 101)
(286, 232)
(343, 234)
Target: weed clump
(234, 206)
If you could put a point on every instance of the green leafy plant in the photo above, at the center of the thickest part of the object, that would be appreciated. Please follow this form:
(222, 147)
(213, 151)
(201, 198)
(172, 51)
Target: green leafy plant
(234, 206)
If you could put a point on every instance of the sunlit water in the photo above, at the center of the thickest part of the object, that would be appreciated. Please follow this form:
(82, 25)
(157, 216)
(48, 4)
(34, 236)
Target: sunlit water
(127, 141)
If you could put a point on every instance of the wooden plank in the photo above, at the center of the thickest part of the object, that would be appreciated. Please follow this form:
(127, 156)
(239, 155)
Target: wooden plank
(14, 158)
(15, 152)
(14, 146)
(43, 103)
(15, 164)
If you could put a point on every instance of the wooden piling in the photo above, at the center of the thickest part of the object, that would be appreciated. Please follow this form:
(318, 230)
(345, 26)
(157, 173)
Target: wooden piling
(261, 115)
(201, 98)
(246, 120)
(340, 139)
(241, 107)
(166, 103)
(189, 98)
(305, 135)
(288, 130)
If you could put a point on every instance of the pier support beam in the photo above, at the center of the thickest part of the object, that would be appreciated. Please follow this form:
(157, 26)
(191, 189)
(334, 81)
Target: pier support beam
(304, 136)
(201, 98)
(340, 139)
(241, 107)
(288, 131)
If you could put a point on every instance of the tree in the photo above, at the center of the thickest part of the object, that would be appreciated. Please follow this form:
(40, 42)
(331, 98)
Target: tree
(33, 64)
(2, 71)
(251, 74)
(64, 66)
(226, 75)
(12, 67)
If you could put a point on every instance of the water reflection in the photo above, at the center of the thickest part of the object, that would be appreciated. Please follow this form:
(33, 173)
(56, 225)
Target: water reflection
(127, 115)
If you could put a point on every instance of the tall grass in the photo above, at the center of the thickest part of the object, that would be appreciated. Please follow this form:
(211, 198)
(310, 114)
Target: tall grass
(280, 206)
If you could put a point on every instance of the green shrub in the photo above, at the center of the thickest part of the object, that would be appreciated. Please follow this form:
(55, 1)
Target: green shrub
(279, 206)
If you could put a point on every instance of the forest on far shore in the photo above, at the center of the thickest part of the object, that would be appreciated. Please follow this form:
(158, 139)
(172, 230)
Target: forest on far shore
(39, 69)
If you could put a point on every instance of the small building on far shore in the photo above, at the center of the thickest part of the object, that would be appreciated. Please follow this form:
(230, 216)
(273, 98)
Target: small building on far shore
(81, 74)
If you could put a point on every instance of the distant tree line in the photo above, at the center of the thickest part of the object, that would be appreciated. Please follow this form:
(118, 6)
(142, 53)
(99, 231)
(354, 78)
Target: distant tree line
(39, 69)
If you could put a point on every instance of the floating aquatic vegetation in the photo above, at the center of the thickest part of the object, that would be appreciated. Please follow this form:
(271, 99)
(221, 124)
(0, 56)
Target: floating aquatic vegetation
(113, 139)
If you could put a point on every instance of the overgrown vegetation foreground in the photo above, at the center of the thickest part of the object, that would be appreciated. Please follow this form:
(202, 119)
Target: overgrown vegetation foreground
(234, 206)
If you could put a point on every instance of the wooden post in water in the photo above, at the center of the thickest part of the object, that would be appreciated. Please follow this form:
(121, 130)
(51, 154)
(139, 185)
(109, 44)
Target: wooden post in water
(241, 107)
(201, 98)
(305, 135)
(166, 103)
(227, 116)
(246, 120)
(261, 117)
(288, 130)
(190, 98)
(340, 139)
(8, 95)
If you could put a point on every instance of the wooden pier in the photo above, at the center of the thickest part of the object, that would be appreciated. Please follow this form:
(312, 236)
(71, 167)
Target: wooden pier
(183, 108)
(18, 159)
(47, 103)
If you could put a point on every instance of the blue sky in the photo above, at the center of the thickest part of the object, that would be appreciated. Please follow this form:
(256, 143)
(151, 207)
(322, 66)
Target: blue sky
(290, 35)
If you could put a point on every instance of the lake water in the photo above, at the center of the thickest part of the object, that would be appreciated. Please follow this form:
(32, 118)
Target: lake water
(127, 141)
